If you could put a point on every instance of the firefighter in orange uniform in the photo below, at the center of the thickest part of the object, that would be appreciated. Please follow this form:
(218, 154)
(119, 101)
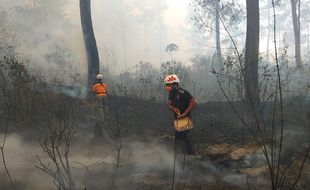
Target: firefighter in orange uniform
(100, 107)
(100, 88)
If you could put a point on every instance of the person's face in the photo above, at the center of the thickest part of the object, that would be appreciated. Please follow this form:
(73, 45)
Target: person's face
(171, 87)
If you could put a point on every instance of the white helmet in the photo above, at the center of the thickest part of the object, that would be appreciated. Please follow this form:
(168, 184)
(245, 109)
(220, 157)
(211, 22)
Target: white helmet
(171, 79)
(99, 76)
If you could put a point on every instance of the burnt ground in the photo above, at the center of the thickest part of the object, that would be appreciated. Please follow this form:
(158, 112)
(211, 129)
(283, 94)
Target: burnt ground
(227, 156)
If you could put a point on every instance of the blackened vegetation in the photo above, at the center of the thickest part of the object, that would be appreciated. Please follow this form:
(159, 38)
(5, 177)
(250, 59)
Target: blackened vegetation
(138, 135)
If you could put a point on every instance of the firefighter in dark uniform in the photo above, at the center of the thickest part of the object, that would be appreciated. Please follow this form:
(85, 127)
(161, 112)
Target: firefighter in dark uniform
(181, 103)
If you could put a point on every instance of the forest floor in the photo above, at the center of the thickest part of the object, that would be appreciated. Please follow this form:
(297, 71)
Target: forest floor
(227, 155)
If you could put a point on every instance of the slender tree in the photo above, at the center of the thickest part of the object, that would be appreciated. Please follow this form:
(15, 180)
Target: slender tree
(296, 25)
(207, 12)
(251, 53)
(219, 57)
(90, 42)
(268, 27)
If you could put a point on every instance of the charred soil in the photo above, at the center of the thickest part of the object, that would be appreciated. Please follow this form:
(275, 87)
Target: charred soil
(133, 146)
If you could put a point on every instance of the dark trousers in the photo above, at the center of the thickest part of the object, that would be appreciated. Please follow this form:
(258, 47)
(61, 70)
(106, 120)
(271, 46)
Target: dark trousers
(182, 142)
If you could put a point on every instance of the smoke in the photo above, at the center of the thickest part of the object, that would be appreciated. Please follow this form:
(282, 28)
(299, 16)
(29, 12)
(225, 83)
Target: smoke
(45, 37)
(148, 156)
(50, 37)
(20, 161)
(237, 180)
(151, 162)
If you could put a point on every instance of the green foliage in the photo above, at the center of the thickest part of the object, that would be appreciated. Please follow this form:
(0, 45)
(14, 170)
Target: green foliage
(20, 92)
(146, 82)
(16, 71)
(174, 67)
(172, 48)
(205, 12)
(146, 73)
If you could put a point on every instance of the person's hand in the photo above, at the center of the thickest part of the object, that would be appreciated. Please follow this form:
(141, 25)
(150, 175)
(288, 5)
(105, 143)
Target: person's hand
(182, 115)
(176, 110)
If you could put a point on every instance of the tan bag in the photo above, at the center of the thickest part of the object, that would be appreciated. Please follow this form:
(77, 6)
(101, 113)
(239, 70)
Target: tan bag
(184, 123)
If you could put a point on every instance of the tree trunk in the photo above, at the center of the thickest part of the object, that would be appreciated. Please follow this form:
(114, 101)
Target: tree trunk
(219, 57)
(308, 42)
(268, 33)
(251, 55)
(90, 43)
(296, 25)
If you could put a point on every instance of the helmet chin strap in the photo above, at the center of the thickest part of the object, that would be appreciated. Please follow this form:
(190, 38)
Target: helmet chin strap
(176, 86)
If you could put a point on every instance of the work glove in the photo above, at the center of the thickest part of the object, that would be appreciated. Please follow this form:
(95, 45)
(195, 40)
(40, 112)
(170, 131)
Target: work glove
(182, 115)
(176, 110)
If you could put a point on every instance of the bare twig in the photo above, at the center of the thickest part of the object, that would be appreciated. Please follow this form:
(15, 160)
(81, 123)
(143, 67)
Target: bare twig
(57, 145)
(3, 145)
